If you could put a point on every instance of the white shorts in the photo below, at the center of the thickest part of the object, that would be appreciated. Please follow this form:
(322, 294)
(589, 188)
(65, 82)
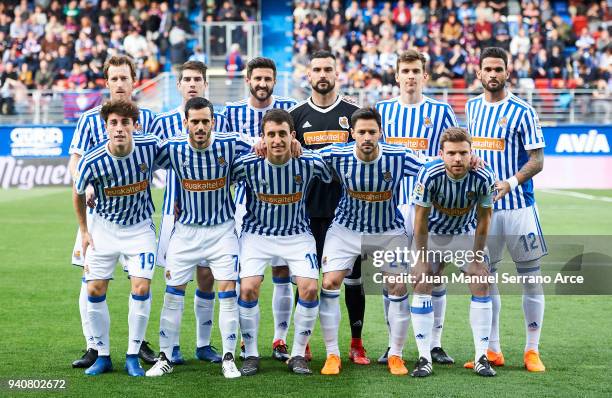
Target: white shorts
(193, 245)
(458, 247)
(408, 215)
(132, 245)
(77, 258)
(343, 246)
(298, 251)
(520, 231)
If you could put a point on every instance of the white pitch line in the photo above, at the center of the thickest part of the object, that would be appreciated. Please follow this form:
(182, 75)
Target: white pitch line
(578, 195)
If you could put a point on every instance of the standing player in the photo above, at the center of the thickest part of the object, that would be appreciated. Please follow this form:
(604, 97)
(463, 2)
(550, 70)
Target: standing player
(191, 83)
(204, 231)
(371, 173)
(324, 119)
(276, 225)
(245, 117)
(120, 74)
(417, 121)
(508, 137)
(452, 199)
(120, 170)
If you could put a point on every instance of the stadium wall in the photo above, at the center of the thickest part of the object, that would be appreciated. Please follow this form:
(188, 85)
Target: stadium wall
(576, 156)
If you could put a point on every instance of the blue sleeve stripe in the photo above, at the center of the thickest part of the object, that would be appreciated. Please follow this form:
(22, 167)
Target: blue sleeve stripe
(175, 291)
(308, 304)
(228, 294)
(141, 298)
(246, 304)
(280, 280)
(94, 299)
(485, 299)
(205, 295)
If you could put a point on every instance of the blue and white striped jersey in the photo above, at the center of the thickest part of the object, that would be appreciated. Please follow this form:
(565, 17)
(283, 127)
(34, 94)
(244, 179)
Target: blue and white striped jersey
(370, 190)
(170, 124)
(122, 185)
(90, 129)
(502, 133)
(204, 176)
(275, 194)
(454, 202)
(418, 127)
(246, 120)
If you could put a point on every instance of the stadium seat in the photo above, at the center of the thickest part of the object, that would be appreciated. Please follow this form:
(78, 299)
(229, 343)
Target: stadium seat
(542, 83)
(560, 7)
(571, 83)
(557, 83)
(459, 83)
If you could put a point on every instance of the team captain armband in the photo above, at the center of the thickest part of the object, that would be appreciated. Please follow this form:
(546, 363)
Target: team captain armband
(127, 190)
(491, 144)
(325, 137)
(371, 196)
(203, 185)
(416, 144)
(280, 199)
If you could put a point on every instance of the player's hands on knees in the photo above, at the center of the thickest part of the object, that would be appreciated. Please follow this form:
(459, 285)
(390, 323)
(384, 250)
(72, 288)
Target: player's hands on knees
(260, 149)
(86, 242)
(477, 163)
(419, 270)
(296, 148)
(90, 196)
(477, 268)
(502, 188)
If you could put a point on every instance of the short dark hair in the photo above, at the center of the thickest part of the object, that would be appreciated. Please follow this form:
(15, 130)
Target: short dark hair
(192, 65)
(494, 52)
(260, 62)
(322, 54)
(198, 103)
(411, 55)
(120, 107)
(455, 134)
(366, 114)
(278, 116)
(118, 60)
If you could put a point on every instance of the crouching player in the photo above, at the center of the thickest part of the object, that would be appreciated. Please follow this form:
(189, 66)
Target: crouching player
(120, 170)
(453, 199)
(204, 231)
(371, 173)
(276, 227)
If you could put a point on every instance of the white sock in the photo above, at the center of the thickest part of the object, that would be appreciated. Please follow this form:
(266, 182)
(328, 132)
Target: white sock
(533, 305)
(99, 323)
(399, 322)
(204, 309)
(282, 304)
(386, 308)
(170, 320)
(494, 343)
(228, 320)
(422, 323)
(84, 318)
(304, 322)
(249, 325)
(138, 318)
(480, 320)
(438, 300)
(329, 315)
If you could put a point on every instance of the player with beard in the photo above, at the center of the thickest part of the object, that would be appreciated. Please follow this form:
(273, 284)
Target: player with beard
(245, 117)
(324, 119)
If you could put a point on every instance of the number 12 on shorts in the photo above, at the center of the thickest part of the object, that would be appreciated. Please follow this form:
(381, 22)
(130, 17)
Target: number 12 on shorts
(529, 241)
(147, 259)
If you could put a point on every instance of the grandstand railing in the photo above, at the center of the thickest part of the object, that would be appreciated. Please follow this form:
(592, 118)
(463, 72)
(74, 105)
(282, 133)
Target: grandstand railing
(554, 106)
(216, 39)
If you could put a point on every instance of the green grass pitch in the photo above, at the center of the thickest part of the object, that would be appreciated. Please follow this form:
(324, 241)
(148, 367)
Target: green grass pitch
(41, 332)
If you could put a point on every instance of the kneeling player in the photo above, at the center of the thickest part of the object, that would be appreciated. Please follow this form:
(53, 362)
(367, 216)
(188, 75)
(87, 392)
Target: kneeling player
(371, 173)
(204, 231)
(120, 170)
(276, 227)
(453, 199)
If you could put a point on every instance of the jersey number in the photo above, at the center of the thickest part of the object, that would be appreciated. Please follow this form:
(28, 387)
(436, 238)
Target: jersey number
(529, 241)
(313, 260)
(147, 259)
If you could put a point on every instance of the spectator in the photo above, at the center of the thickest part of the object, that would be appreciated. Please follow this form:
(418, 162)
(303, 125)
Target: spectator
(540, 64)
(234, 62)
(557, 64)
(135, 44)
(501, 33)
(198, 55)
(522, 68)
(456, 61)
(401, 16)
(483, 31)
(44, 77)
(451, 32)
(440, 76)
(520, 44)
(9, 82)
(63, 63)
(77, 79)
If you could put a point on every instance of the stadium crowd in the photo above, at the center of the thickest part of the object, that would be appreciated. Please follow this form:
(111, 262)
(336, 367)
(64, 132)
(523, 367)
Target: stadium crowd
(558, 44)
